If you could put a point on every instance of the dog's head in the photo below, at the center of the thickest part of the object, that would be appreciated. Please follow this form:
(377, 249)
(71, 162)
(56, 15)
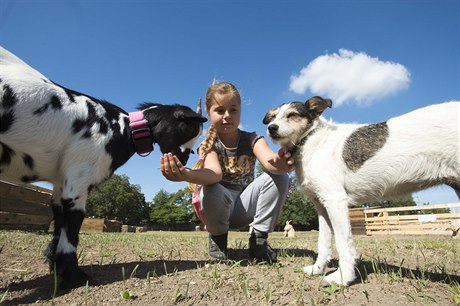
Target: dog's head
(290, 121)
(175, 128)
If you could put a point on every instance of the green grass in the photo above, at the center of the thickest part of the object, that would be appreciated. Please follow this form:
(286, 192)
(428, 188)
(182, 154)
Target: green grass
(173, 268)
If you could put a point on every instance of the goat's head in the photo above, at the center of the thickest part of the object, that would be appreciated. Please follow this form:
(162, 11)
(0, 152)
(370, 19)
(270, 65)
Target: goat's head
(290, 121)
(175, 128)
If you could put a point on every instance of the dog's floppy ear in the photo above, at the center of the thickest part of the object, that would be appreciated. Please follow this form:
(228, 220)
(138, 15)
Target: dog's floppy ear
(317, 105)
(270, 115)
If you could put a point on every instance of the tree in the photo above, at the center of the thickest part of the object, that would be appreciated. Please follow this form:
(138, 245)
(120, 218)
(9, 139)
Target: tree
(118, 199)
(171, 210)
(299, 209)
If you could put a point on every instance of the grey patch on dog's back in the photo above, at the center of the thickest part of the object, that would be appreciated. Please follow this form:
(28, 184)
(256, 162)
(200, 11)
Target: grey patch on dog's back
(363, 144)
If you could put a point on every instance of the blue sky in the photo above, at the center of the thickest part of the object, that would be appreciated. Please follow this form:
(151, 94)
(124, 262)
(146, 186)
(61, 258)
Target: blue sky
(375, 59)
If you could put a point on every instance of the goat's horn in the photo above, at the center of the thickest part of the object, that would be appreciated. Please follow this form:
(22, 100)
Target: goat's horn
(198, 108)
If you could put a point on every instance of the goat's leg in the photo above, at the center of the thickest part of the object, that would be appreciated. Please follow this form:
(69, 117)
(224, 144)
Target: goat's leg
(324, 243)
(337, 209)
(56, 208)
(74, 195)
(66, 257)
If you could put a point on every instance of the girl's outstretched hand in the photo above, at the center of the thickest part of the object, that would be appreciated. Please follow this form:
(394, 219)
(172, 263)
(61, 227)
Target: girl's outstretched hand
(172, 168)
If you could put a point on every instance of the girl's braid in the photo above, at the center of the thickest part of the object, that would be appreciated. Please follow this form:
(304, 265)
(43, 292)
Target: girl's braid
(204, 148)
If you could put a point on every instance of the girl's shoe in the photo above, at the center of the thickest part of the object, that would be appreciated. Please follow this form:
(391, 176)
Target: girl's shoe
(218, 246)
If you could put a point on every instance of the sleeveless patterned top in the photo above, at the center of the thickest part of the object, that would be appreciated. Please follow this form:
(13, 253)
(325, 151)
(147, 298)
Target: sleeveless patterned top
(238, 163)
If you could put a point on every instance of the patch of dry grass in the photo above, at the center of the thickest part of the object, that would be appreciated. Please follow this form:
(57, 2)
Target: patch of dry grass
(172, 268)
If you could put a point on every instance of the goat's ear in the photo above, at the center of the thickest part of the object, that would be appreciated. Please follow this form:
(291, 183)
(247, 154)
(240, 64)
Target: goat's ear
(189, 116)
(317, 105)
(269, 116)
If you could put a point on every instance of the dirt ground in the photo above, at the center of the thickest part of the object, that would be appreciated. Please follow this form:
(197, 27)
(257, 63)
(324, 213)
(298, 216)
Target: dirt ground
(172, 268)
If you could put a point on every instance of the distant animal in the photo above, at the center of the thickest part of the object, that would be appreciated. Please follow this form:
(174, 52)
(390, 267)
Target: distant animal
(51, 133)
(338, 165)
(289, 230)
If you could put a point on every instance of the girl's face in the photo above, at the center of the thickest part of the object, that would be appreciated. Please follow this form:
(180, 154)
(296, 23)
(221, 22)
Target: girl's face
(225, 113)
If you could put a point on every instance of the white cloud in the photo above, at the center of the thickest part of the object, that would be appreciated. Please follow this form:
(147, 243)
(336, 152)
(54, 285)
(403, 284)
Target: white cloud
(350, 77)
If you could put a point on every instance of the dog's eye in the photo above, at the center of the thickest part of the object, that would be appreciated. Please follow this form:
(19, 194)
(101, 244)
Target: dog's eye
(292, 115)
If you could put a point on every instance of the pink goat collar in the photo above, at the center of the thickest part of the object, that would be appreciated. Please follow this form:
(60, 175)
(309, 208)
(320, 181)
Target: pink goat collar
(141, 133)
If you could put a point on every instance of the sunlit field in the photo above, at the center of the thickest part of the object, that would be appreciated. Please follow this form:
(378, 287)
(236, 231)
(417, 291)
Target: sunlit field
(172, 268)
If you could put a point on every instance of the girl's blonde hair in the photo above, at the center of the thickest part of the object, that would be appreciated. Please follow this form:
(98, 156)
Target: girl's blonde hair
(210, 139)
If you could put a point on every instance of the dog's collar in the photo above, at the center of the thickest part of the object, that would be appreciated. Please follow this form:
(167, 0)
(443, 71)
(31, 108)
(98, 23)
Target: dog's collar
(140, 131)
(301, 142)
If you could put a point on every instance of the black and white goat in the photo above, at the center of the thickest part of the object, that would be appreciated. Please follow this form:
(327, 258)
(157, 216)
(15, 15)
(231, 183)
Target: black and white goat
(51, 133)
(341, 165)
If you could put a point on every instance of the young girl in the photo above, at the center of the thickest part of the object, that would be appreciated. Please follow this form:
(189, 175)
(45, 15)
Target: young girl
(230, 197)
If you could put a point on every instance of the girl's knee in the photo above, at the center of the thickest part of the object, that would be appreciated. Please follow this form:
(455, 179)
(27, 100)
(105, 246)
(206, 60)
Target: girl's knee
(281, 181)
(214, 202)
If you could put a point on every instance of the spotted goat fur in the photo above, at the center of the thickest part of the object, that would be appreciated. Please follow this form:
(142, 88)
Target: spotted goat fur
(341, 165)
(51, 133)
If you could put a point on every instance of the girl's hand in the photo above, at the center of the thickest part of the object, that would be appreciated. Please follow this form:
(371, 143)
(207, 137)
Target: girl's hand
(283, 161)
(172, 168)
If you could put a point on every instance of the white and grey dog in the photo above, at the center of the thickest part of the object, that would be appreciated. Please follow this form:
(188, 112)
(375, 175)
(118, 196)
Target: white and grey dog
(340, 165)
(51, 133)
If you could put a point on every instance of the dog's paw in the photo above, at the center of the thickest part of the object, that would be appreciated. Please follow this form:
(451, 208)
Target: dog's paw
(313, 270)
(338, 278)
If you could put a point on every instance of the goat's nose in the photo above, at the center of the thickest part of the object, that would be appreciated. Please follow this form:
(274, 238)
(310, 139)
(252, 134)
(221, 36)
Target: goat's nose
(272, 128)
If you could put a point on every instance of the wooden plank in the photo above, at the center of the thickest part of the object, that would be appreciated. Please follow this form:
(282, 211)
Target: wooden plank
(440, 233)
(357, 221)
(92, 226)
(25, 192)
(98, 225)
(24, 227)
(28, 186)
(128, 229)
(407, 222)
(112, 226)
(411, 226)
(448, 216)
(406, 208)
(23, 219)
(24, 207)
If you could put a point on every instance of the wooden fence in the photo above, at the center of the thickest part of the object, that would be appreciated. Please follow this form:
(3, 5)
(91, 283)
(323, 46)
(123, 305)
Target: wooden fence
(24, 207)
(27, 207)
(357, 220)
(419, 221)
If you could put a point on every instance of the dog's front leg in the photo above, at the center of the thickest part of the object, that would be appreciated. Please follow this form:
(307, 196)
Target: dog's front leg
(337, 210)
(324, 243)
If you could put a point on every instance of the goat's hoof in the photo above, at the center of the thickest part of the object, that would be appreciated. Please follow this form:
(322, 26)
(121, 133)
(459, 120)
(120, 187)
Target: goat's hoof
(75, 279)
(69, 273)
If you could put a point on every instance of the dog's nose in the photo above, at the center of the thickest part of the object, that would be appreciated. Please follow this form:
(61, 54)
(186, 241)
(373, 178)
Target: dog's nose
(273, 128)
